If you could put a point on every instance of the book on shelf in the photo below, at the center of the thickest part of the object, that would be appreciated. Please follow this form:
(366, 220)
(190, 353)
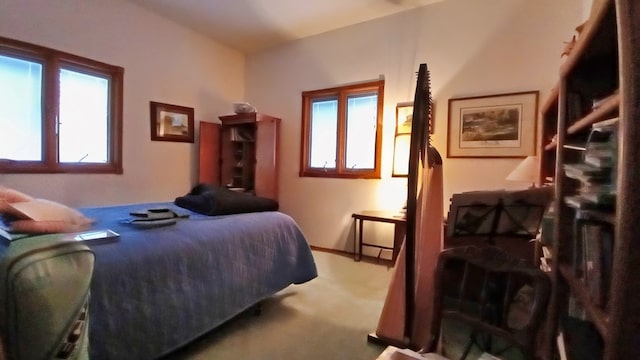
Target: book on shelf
(594, 253)
(602, 194)
(589, 187)
(599, 161)
(592, 248)
(600, 149)
(600, 199)
(597, 186)
(575, 309)
(586, 172)
(580, 202)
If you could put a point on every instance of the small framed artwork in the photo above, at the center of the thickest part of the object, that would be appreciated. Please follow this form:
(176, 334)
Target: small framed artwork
(402, 139)
(404, 117)
(171, 122)
(493, 126)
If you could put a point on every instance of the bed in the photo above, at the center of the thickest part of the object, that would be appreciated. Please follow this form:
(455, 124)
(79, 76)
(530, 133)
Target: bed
(156, 289)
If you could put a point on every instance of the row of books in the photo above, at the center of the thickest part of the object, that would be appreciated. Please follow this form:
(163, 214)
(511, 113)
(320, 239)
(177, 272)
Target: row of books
(592, 253)
(593, 256)
(596, 172)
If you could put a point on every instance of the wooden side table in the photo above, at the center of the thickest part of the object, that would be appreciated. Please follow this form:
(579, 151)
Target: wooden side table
(393, 217)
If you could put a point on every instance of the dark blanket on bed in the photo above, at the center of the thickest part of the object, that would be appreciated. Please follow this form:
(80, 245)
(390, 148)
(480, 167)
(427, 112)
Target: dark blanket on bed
(215, 200)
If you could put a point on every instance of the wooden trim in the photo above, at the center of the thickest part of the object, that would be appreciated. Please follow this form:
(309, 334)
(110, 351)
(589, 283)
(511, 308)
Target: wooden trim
(589, 31)
(341, 94)
(365, 258)
(52, 61)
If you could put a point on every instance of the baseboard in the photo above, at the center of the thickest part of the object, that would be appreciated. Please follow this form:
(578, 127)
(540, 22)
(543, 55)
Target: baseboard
(365, 258)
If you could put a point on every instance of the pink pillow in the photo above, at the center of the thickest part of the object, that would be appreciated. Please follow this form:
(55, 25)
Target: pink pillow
(48, 226)
(8, 196)
(11, 195)
(40, 216)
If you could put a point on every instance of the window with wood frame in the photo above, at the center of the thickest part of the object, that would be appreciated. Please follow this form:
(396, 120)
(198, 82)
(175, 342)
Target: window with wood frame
(61, 113)
(342, 131)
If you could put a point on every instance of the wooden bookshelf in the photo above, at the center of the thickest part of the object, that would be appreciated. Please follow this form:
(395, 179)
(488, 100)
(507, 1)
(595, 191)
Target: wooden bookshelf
(607, 110)
(601, 68)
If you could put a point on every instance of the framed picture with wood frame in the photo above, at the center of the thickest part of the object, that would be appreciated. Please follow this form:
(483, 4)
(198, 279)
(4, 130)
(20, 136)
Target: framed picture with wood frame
(493, 126)
(404, 117)
(171, 122)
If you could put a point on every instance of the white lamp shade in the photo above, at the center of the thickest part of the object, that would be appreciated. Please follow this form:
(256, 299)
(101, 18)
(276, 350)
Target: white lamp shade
(526, 171)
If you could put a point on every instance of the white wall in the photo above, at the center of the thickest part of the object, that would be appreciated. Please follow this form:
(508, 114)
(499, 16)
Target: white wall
(163, 62)
(586, 8)
(471, 47)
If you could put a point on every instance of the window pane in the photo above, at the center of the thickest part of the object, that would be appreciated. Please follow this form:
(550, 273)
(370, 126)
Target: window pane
(362, 113)
(84, 117)
(21, 115)
(324, 127)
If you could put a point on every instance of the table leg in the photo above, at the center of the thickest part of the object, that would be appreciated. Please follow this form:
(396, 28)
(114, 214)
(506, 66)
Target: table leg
(355, 239)
(359, 257)
(399, 232)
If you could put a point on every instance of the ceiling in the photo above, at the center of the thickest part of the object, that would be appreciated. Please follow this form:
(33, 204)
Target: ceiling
(253, 25)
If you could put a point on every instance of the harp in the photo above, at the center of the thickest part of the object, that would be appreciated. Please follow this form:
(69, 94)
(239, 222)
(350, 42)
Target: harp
(413, 277)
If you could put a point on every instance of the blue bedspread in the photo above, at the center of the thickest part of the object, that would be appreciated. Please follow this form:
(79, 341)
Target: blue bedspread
(156, 289)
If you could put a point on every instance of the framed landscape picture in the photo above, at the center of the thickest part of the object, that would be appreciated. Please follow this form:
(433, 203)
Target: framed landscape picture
(171, 122)
(502, 125)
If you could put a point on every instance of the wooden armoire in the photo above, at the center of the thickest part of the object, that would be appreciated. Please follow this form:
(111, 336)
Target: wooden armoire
(241, 153)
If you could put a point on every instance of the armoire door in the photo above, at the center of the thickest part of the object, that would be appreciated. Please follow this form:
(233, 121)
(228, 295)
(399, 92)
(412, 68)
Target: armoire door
(266, 171)
(209, 153)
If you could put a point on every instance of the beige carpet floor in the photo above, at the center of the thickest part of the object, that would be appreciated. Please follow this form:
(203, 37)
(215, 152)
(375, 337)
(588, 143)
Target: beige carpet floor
(327, 318)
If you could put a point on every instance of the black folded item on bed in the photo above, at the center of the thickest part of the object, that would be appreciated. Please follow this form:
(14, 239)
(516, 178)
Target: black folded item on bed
(216, 200)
